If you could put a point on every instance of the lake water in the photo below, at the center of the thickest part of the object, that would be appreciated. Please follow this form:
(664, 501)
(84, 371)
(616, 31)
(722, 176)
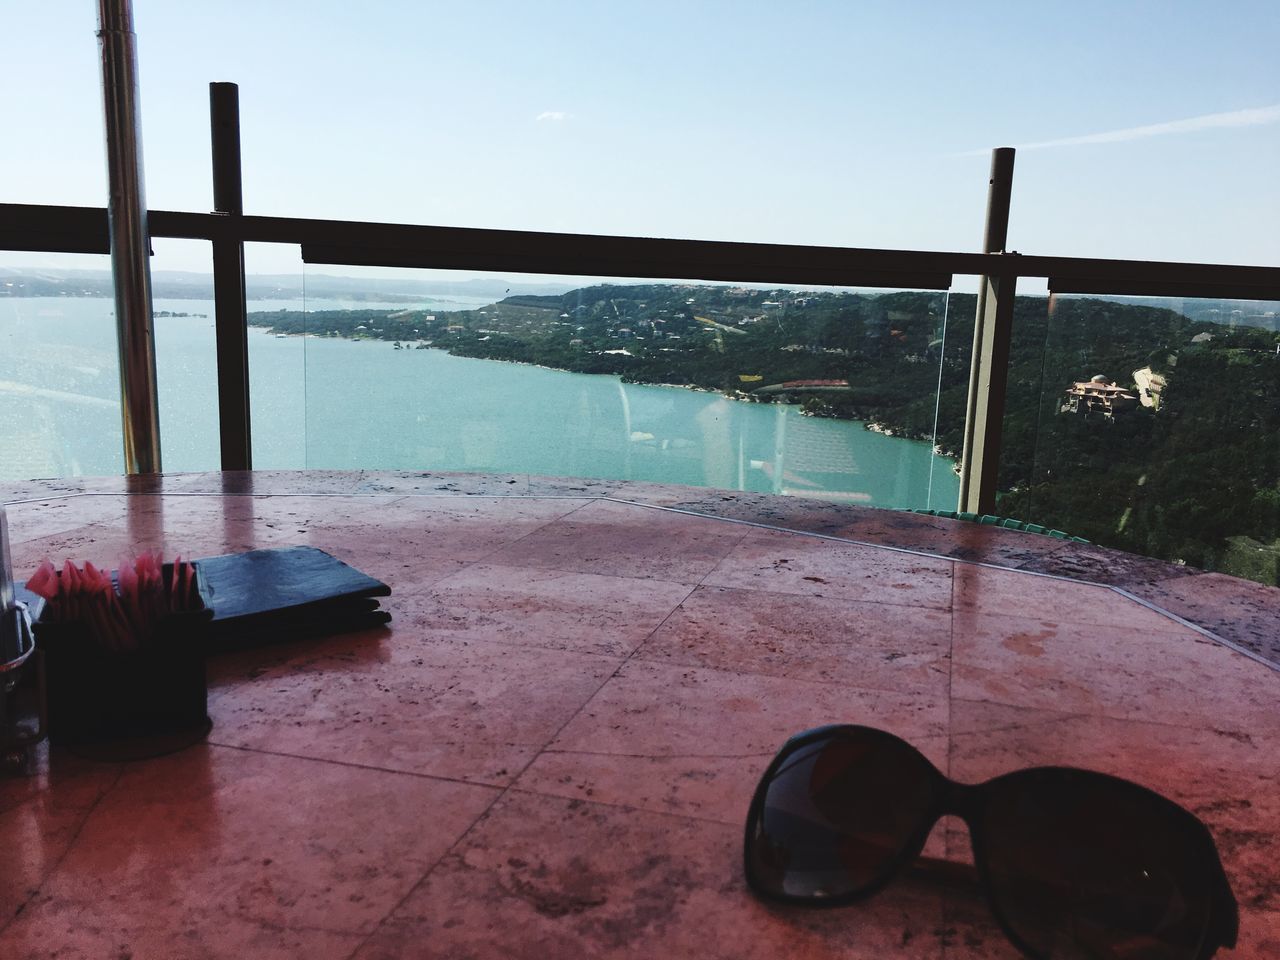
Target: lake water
(325, 403)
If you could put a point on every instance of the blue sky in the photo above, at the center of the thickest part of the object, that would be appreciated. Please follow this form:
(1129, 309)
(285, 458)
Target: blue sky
(845, 123)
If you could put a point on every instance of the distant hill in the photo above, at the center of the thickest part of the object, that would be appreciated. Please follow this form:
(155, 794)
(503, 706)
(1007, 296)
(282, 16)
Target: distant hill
(182, 285)
(1249, 313)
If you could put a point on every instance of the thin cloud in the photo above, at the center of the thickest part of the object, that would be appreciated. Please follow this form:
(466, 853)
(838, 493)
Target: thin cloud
(556, 116)
(1252, 117)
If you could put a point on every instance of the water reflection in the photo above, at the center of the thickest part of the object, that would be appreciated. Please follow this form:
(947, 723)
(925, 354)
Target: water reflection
(371, 407)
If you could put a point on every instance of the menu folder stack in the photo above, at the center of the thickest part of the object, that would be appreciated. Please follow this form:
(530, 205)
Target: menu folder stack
(291, 593)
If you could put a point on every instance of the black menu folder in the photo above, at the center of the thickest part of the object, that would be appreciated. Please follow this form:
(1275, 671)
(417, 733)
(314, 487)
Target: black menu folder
(290, 593)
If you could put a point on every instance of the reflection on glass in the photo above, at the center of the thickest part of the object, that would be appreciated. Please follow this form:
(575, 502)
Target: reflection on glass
(59, 379)
(277, 367)
(823, 393)
(186, 356)
(1149, 425)
(59, 373)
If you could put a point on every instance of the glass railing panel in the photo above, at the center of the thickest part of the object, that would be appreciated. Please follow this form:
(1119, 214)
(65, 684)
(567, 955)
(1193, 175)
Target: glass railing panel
(823, 393)
(186, 354)
(1151, 425)
(277, 366)
(59, 369)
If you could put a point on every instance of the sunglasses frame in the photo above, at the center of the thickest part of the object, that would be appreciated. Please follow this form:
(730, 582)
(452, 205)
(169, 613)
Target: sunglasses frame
(967, 801)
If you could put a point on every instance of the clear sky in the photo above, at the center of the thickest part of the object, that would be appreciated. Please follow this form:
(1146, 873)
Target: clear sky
(1150, 130)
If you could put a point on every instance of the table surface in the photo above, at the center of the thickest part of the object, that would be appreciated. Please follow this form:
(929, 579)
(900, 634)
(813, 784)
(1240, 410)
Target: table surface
(551, 749)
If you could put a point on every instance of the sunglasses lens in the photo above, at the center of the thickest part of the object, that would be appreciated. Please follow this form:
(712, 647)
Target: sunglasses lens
(838, 815)
(1083, 865)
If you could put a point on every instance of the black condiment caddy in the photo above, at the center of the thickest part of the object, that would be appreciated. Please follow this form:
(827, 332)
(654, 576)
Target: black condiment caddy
(146, 701)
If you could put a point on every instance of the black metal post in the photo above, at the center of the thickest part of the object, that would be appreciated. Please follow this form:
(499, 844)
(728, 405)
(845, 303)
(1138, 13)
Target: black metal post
(989, 366)
(228, 282)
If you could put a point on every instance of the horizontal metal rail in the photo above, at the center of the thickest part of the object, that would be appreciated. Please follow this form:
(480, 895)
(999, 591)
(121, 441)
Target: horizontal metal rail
(1159, 288)
(47, 229)
(84, 230)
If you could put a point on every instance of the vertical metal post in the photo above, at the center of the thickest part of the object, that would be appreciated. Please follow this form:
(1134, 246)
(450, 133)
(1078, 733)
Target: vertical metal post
(130, 242)
(230, 310)
(989, 365)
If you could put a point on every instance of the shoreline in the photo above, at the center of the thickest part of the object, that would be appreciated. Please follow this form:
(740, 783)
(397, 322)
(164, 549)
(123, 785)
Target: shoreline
(871, 426)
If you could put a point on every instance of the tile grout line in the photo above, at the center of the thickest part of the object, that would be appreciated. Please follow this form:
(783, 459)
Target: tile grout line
(631, 655)
(656, 756)
(502, 792)
(515, 777)
(552, 572)
(75, 837)
(943, 906)
(392, 771)
(628, 659)
(823, 596)
(627, 806)
(422, 879)
(637, 654)
(538, 529)
(1229, 644)
(484, 560)
(951, 672)
(829, 598)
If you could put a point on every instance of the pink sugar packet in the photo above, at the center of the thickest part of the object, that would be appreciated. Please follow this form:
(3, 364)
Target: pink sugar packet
(119, 614)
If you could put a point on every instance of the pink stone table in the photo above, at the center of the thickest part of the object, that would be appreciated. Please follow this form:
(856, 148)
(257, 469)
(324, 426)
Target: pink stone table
(551, 750)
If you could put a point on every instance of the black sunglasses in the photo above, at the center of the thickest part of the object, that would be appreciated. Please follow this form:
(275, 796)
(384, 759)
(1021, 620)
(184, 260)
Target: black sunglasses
(1073, 863)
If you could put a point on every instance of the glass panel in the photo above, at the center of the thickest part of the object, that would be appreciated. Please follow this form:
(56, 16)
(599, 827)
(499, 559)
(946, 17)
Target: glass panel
(186, 354)
(1149, 425)
(821, 393)
(59, 378)
(59, 369)
(277, 370)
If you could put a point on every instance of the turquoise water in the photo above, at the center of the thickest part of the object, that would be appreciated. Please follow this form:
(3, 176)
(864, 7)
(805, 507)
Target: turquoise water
(325, 403)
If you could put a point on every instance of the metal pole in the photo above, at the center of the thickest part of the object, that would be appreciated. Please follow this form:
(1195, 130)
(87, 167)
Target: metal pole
(230, 309)
(1000, 189)
(975, 496)
(130, 243)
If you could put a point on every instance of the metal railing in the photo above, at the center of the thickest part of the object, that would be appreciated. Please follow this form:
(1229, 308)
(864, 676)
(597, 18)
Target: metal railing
(61, 229)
